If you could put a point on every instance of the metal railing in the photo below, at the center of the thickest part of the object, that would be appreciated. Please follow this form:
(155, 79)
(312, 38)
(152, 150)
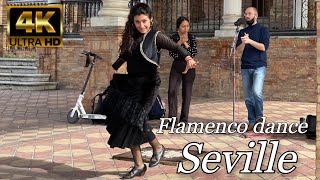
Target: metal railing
(286, 17)
(77, 14)
(205, 15)
(26, 3)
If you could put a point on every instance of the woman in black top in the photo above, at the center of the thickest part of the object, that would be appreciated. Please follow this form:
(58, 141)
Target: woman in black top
(187, 41)
(131, 96)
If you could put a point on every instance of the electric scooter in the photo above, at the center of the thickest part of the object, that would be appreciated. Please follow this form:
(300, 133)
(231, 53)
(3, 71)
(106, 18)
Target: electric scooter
(78, 111)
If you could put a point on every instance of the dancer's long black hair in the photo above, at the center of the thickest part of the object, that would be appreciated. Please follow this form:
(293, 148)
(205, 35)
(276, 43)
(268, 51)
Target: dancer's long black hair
(130, 30)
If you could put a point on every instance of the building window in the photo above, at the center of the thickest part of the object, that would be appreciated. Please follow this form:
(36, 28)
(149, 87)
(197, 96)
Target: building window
(263, 7)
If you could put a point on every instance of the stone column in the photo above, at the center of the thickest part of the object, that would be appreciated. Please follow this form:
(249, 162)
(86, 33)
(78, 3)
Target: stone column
(318, 91)
(231, 12)
(113, 13)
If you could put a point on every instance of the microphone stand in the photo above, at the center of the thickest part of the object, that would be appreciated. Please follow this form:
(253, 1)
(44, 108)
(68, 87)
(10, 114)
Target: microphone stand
(233, 51)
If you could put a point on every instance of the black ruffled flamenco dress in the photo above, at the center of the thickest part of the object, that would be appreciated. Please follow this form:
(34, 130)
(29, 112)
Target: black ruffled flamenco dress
(124, 106)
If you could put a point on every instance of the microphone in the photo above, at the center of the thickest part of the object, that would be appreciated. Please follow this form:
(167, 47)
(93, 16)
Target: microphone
(239, 22)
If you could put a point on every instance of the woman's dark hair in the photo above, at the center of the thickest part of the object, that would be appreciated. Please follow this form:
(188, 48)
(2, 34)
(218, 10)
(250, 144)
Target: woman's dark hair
(180, 20)
(130, 30)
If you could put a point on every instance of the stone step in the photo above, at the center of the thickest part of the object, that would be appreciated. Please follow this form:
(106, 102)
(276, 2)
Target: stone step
(24, 77)
(30, 86)
(18, 62)
(19, 69)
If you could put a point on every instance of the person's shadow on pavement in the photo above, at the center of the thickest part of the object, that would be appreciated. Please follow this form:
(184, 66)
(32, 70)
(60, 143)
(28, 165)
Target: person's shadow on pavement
(19, 167)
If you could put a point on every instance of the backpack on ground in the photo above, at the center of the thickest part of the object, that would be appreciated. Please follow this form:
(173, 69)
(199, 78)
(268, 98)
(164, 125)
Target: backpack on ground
(158, 109)
(312, 123)
(96, 108)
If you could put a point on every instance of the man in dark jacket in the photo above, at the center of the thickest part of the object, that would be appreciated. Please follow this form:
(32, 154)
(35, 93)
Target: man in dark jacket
(253, 42)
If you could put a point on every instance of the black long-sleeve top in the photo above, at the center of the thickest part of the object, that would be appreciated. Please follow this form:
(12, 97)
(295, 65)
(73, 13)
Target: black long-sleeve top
(136, 63)
(192, 42)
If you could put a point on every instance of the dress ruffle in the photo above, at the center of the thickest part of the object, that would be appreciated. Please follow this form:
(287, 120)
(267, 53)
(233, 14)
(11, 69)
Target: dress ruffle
(124, 107)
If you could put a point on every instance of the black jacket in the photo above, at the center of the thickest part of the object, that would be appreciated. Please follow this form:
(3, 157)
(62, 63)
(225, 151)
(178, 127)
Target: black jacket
(150, 47)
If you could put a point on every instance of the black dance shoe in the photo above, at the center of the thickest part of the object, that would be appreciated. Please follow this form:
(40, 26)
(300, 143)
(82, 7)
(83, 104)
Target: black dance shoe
(135, 172)
(156, 157)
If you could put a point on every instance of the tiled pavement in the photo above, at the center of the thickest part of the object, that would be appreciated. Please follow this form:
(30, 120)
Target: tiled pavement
(36, 142)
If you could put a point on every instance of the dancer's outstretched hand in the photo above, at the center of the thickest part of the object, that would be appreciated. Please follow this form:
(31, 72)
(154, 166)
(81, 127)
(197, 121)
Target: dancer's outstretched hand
(191, 63)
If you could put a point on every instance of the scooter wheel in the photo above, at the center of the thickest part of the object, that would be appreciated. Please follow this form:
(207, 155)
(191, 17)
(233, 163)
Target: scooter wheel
(74, 118)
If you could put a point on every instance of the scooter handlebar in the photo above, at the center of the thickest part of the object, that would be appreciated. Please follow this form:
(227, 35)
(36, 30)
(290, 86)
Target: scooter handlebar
(88, 60)
(89, 53)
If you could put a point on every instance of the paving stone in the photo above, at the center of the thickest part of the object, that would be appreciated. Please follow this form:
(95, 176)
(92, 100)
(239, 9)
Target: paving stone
(36, 141)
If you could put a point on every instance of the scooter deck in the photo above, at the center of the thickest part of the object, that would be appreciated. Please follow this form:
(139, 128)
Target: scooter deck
(93, 116)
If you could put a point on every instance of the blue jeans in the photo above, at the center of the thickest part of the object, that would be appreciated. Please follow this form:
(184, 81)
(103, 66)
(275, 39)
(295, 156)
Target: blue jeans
(252, 82)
